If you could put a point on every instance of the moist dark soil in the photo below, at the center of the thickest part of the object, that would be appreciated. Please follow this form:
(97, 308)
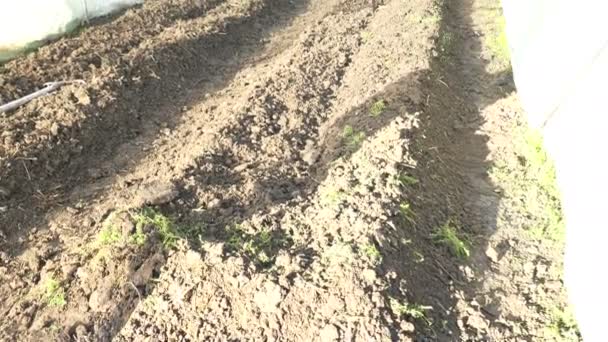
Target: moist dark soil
(268, 170)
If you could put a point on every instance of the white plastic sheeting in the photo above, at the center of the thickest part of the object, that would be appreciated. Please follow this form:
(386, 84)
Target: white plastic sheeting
(28, 23)
(560, 62)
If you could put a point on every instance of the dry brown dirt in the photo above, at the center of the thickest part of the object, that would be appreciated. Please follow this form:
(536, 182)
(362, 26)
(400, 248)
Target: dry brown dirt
(265, 170)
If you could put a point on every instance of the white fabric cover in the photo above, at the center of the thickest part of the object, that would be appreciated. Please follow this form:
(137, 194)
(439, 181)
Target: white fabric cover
(560, 63)
(27, 23)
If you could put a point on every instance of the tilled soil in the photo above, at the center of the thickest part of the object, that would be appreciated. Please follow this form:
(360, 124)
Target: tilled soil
(266, 170)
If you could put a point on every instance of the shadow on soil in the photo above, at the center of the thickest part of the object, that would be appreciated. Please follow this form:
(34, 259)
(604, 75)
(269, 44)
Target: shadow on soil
(38, 184)
(453, 184)
(451, 172)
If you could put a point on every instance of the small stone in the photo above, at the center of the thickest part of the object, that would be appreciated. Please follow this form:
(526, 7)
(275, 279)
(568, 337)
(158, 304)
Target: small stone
(144, 272)
(158, 193)
(193, 259)
(100, 299)
(407, 327)
(214, 253)
(476, 322)
(4, 192)
(242, 167)
(31, 258)
(214, 203)
(224, 304)
(492, 310)
(54, 129)
(310, 154)
(283, 260)
(16, 284)
(82, 97)
(369, 276)
(378, 299)
(492, 254)
(528, 268)
(468, 272)
(540, 271)
(329, 333)
(95, 173)
(269, 297)
(81, 332)
(68, 269)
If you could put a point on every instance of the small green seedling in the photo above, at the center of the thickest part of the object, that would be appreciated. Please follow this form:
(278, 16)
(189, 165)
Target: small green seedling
(332, 196)
(164, 226)
(366, 36)
(497, 42)
(408, 180)
(446, 235)
(138, 238)
(563, 325)
(407, 213)
(372, 252)
(414, 311)
(353, 137)
(258, 247)
(109, 235)
(54, 293)
(418, 257)
(377, 108)
(446, 40)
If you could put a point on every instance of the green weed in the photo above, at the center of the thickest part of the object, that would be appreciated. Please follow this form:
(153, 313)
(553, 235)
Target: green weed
(139, 237)
(531, 186)
(259, 247)
(497, 42)
(109, 235)
(405, 210)
(377, 108)
(431, 19)
(408, 180)
(366, 36)
(165, 227)
(446, 235)
(371, 251)
(418, 257)
(414, 311)
(54, 293)
(563, 326)
(353, 137)
(446, 42)
(332, 196)
(338, 253)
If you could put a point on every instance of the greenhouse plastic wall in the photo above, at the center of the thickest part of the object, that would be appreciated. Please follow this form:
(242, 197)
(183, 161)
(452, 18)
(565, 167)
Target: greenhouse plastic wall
(26, 24)
(560, 64)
